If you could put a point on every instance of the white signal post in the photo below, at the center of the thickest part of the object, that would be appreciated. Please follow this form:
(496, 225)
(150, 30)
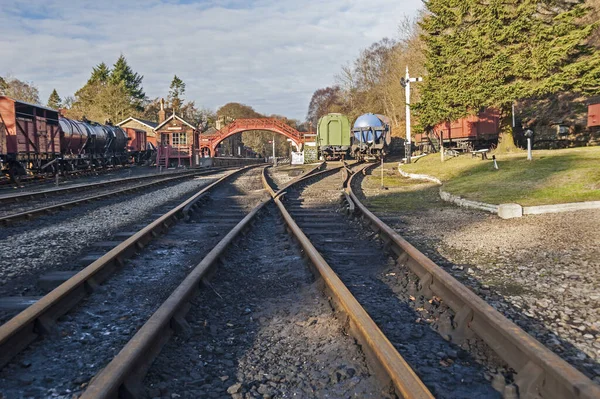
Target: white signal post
(406, 81)
(274, 159)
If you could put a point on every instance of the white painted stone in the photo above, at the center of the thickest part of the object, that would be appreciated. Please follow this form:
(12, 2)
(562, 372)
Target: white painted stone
(509, 211)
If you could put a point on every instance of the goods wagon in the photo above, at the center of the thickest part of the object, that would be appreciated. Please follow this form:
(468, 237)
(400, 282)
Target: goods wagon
(371, 136)
(469, 133)
(38, 139)
(333, 136)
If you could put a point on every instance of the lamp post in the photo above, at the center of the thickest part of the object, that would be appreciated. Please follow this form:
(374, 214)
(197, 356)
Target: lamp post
(405, 82)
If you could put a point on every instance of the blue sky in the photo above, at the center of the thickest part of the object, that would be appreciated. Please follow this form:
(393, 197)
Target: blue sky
(269, 54)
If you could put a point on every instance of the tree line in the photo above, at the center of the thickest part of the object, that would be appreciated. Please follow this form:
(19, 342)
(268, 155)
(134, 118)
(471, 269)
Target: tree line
(472, 55)
(113, 94)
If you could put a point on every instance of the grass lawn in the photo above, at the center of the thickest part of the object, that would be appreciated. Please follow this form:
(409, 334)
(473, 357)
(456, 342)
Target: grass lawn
(400, 194)
(554, 176)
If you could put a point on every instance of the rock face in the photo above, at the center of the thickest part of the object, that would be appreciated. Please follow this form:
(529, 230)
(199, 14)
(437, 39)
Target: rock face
(509, 211)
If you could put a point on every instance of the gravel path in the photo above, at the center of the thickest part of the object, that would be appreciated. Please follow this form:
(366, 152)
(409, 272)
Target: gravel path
(91, 334)
(358, 258)
(60, 239)
(541, 271)
(263, 329)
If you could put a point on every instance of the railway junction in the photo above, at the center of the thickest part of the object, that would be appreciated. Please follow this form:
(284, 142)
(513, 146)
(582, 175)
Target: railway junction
(260, 281)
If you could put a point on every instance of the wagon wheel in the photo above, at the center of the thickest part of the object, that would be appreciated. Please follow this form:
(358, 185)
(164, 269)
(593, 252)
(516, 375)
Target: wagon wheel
(493, 146)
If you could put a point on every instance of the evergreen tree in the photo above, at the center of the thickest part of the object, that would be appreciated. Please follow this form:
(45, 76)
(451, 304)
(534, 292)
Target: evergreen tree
(123, 74)
(54, 101)
(493, 53)
(176, 92)
(100, 74)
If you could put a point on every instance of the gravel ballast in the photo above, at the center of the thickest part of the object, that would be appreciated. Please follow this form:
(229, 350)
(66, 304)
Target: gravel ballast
(541, 271)
(263, 329)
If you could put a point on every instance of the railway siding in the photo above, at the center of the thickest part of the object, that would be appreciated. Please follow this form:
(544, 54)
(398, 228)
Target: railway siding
(39, 318)
(539, 371)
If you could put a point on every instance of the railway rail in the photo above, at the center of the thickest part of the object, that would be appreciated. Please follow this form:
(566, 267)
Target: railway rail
(24, 212)
(40, 318)
(34, 180)
(538, 372)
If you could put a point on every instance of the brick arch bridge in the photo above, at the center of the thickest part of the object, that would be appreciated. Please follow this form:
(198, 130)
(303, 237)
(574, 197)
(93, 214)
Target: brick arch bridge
(210, 142)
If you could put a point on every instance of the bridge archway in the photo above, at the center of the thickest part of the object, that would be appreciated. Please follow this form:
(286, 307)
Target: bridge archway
(211, 142)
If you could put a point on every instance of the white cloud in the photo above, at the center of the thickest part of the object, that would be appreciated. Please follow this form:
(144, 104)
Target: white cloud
(269, 54)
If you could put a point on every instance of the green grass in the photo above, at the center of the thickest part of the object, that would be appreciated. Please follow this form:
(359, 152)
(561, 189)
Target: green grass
(554, 176)
(399, 194)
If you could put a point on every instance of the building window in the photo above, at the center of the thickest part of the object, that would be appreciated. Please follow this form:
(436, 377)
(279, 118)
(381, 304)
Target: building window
(179, 138)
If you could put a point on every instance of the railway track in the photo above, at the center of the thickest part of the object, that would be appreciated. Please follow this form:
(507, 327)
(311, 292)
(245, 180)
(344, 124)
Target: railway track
(460, 316)
(27, 206)
(40, 318)
(32, 181)
(387, 293)
(26, 196)
(122, 377)
(516, 364)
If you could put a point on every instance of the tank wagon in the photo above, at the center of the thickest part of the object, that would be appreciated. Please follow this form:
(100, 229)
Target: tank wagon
(333, 136)
(371, 136)
(37, 138)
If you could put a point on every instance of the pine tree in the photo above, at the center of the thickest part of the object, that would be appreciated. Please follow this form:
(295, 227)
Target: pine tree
(100, 74)
(123, 74)
(54, 101)
(491, 54)
(176, 92)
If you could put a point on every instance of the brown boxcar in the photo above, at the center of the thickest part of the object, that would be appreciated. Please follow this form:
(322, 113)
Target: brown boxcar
(482, 126)
(30, 133)
(137, 139)
(467, 133)
(593, 115)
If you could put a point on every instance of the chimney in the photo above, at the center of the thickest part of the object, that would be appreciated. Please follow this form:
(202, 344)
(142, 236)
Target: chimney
(161, 113)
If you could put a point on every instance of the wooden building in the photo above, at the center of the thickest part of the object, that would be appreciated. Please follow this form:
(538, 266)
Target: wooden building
(177, 141)
(141, 124)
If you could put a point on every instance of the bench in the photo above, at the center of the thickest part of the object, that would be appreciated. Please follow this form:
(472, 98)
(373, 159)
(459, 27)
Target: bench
(481, 153)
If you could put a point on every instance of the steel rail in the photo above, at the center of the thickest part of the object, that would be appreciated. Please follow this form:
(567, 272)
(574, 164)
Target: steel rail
(406, 383)
(45, 178)
(30, 214)
(39, 318)
(540, 372)
(7, 199)
(123, 375)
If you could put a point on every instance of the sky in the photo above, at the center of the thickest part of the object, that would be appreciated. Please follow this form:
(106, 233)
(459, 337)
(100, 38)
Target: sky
(269, 54)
